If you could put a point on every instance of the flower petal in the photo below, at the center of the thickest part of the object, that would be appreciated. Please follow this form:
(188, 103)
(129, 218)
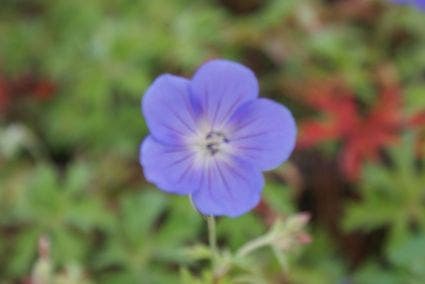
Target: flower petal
(220, 86)
(229, 188)
(168, 110)
(420, 4)
(263, 132)
(170, 168)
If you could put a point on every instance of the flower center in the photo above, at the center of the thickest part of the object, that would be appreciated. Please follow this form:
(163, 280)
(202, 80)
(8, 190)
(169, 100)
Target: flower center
(215, 141)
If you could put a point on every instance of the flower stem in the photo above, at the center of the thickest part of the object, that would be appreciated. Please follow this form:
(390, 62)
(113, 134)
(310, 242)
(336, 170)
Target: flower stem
(254, 245)
(212, 236)
(218, 269)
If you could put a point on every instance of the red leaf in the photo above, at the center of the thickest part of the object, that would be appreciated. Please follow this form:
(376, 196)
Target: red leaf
(418, 120)
(314, 132)
(44, 89)
(362, 136)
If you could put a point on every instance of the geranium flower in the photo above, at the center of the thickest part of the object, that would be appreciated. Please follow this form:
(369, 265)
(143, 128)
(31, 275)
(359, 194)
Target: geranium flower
(211, 137)
(419, 4)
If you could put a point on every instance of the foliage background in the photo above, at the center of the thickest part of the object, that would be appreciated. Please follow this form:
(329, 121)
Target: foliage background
(71, 77)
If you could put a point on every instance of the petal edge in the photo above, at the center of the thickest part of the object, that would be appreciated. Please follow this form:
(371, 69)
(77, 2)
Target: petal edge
(170, 168)
(264, 132)
(220, 86)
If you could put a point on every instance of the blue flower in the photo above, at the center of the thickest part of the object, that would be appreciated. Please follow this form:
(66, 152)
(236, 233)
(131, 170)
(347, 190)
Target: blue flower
(419, 4)
(211, 137)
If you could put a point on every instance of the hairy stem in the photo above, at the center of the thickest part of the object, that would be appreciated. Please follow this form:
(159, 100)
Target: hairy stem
(212, 236)
(253, 245)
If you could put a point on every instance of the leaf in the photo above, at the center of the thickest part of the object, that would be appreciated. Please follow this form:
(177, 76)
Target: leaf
(182, 224)
(393, 194)
(139, 212)
(78, 177)
(372, 274)
(409, 253)
(362, 136)
(24, 253)
(67, 246)
(187, 278)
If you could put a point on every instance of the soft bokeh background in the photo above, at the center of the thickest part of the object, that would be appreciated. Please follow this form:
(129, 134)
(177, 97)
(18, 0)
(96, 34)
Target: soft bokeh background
(71, 190)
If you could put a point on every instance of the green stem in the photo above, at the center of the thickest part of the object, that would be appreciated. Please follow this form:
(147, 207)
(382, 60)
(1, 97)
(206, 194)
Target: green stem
(253, 245)
(212, 236)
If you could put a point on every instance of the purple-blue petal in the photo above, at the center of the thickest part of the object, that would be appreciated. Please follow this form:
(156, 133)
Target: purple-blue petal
(169, 167)
(228, 188)
(264, 132)
(220, 86)
(420, 4)
(168, 110)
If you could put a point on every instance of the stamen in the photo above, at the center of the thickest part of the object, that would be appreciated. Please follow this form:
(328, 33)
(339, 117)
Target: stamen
(214, 142)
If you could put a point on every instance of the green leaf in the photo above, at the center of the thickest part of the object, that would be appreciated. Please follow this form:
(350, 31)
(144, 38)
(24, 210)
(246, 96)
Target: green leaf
(139, 212)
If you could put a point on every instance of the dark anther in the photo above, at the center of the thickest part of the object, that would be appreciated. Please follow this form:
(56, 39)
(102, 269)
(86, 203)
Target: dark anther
(216, 135)
(214, 140)
(212, 148)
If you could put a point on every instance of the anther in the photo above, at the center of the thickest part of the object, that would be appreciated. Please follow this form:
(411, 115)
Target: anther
(214, 141)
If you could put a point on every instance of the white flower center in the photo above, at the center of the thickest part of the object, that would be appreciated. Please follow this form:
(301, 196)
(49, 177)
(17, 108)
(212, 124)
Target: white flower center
(209, 144)
(215, 142)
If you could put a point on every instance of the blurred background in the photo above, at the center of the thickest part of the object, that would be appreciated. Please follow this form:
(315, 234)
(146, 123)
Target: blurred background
(73, 199)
